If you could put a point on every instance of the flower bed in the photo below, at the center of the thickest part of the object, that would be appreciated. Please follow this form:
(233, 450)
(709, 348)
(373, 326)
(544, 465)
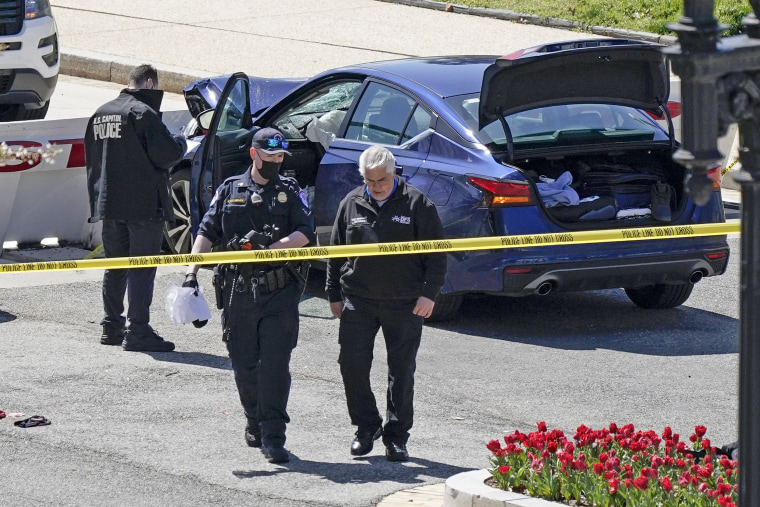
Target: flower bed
(616, 467)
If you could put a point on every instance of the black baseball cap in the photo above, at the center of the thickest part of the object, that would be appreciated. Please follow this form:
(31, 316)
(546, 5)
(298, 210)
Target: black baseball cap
(269, 141)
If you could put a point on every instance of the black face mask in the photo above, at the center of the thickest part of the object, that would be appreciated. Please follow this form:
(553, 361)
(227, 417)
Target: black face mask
(269, 170)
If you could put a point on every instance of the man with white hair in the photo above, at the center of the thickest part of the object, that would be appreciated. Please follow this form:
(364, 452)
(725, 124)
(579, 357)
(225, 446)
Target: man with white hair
(395, 293)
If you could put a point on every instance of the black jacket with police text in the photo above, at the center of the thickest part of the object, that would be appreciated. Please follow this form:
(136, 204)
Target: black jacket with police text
(406, 216)
(129, 152)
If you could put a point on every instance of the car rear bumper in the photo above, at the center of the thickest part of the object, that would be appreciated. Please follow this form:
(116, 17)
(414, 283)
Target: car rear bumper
(521, 272)
(610, 274)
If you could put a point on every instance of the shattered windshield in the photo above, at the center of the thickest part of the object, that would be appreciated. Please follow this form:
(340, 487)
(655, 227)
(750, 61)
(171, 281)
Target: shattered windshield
(562, 125)
(336, 97)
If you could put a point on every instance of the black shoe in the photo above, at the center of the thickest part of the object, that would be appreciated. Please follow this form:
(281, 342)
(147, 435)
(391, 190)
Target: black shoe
(276, 454)
(396, 452)
(252, 437)
(112, 335)
(661, 194)
(146, 343)
(364, 441)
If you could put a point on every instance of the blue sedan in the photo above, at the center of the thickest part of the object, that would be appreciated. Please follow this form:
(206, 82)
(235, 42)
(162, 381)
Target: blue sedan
(556, 138)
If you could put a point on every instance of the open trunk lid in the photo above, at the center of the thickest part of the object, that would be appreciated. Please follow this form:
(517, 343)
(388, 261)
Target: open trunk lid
(634, 74)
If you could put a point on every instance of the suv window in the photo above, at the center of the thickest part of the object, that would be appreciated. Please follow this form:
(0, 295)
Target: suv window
(384, 115)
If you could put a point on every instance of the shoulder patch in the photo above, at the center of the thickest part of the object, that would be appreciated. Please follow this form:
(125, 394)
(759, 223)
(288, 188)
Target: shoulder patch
(290, 183)
(304, 199)
(215, 198)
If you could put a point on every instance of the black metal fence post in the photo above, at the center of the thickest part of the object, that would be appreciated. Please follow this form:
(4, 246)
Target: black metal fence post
(720, 80)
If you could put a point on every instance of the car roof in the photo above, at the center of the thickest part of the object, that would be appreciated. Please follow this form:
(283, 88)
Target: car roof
(446, 76)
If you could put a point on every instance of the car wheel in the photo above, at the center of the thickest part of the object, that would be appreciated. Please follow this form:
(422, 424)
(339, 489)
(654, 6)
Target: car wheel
(660, 296)
(177, 233)
(19, 112)
(446, 306)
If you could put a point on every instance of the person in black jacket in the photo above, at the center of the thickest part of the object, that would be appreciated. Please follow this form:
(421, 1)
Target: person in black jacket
(129, 152)
(395, 293)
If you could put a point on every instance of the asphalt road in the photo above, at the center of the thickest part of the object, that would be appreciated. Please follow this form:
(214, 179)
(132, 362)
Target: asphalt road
(166, 428)
(138, 429)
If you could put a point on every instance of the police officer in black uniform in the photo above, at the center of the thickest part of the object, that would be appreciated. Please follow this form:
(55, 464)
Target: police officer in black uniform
(256, 210)
(395, 293)
(129, 153)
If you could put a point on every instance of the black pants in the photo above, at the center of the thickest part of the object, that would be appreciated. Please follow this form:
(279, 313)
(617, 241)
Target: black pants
(361, 320)
(130, 238)
(262, 334)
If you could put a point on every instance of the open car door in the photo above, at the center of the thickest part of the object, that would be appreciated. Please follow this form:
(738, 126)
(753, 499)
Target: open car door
(224, 151)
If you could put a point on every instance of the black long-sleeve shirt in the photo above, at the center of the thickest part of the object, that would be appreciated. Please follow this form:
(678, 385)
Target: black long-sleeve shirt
(406, 216)
(129, 153)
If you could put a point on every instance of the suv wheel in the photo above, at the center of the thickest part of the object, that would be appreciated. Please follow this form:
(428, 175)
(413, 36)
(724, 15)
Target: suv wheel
(660, 296)
(177, 236)
(19, 112)
(446, 306)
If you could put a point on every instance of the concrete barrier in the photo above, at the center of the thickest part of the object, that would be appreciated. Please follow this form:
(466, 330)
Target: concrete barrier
(48, 199)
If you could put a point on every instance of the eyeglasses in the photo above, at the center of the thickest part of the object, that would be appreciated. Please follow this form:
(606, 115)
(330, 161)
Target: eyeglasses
(382, 181)
(273, 142)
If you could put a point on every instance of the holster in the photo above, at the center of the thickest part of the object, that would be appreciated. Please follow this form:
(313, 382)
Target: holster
(299, 272)
(218, 282)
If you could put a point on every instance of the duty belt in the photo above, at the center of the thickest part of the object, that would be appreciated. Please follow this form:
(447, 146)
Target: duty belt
(258, 281)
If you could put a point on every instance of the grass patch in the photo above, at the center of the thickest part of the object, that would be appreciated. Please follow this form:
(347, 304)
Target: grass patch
(638, 15)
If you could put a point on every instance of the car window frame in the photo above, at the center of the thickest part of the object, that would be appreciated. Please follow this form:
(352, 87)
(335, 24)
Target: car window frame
(287, 102)
(418, 102)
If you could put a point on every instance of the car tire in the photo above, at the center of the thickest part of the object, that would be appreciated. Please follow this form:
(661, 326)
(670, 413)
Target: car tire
(662, 296)
(446, 306)
(178, 238)
(19, 112)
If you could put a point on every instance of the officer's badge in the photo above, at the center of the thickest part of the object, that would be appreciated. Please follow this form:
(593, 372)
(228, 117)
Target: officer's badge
(282, 197)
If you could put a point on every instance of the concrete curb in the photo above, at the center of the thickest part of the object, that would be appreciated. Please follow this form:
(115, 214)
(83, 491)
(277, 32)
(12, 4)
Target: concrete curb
(537, 20)
(114, 69)
(468, 489)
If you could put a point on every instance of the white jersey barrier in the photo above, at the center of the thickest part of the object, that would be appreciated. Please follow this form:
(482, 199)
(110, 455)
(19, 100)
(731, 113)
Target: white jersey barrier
(49, 199)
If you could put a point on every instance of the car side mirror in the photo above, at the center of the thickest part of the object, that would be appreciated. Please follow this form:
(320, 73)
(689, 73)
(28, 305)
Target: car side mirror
(204, 119)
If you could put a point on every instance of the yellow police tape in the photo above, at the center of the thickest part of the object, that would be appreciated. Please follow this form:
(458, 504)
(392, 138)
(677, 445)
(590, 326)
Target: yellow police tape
(409, 247)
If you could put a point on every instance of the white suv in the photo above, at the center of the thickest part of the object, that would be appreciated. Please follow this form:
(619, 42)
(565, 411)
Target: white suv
(29, 59)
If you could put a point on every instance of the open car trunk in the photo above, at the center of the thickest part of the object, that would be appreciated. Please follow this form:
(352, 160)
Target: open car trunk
(624, 189)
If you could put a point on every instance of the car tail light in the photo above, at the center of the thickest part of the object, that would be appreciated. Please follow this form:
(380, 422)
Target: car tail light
(499, 194)
(674, 108)
(715, 175)
(518, 271)
(719, 255)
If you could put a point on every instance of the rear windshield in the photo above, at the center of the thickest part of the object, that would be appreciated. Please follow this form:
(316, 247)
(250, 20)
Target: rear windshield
(557, 126)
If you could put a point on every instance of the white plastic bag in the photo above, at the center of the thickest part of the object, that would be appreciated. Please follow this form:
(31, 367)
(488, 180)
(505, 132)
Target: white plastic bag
(185, 304)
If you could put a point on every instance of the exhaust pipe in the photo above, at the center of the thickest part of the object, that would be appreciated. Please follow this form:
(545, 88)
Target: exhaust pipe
(696, 276)
(545, 288)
